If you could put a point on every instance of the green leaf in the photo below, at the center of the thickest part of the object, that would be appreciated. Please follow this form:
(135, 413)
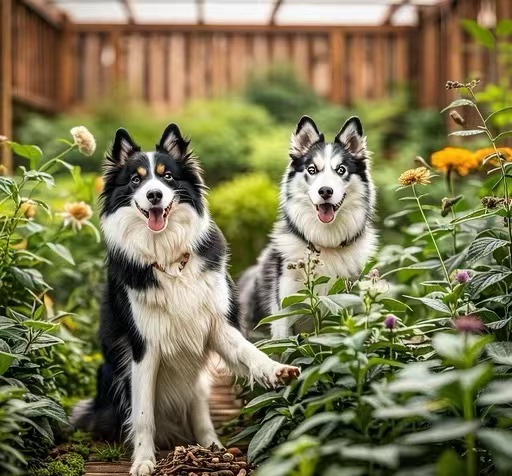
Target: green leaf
(435, 304)
(450, 464)
(292, 299)
(314, 421)
(40, 325)
(393, 304)
(458, 103)
(504, 27)
(499, 443)
(263, 400)
(6, 359)
(446, 431)
(473, 132)
(500, 352)
(29, 278)
(30, 152)
(474, 215)
(383, 455)
(62, 251)
(329, 340)
(499, 111)
(482, 247)
(481, 281)
(298, 309)
(479, 33)
(499, 392)
(243, 434)
(264, 436)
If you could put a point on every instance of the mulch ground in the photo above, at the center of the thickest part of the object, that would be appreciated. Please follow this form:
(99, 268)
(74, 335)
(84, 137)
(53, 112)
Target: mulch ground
(224, 406)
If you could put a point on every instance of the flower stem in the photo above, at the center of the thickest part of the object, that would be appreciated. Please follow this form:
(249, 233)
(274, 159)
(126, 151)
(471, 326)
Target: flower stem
(447, 276)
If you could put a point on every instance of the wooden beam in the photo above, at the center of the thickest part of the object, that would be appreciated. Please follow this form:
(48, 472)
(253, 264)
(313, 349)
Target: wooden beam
(45, 10)
(275, 9)
(230, 28)
(392, 9)
(200, 11)
(129, 10)
(6, 80)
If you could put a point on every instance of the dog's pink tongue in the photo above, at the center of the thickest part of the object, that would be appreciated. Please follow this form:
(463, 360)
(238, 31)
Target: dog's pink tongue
(156, 221)
(326, 212)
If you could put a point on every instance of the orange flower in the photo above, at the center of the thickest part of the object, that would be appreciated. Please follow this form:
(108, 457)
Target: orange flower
(99, 184)
(481, 154)
(28, 209)
(76, 214)
(457, 159)
(419, 176)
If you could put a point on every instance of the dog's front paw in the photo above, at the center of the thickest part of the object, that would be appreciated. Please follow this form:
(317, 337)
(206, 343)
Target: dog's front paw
(280, 374)
(142, 468)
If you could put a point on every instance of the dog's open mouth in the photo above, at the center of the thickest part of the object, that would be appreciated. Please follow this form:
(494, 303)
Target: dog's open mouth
(327, 211)
(156, 216)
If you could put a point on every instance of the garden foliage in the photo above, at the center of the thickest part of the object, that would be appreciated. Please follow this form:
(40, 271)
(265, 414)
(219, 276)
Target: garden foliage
(35, 350)
(408, 369)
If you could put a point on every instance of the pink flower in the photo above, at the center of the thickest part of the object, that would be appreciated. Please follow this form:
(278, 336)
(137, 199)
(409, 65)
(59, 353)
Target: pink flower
(462, 276)
(390, 321)
(469, 324)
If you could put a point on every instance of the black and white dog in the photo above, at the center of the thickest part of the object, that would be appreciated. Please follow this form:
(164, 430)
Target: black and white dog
(169, 303)
(327, 200)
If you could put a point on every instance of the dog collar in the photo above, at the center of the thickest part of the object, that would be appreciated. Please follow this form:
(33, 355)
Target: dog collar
(182, 262)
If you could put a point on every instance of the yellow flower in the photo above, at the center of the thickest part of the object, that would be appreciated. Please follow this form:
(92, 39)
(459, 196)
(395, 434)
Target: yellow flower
(28, 209)
(419, 176)
(84, 140)
(457, 159)
(76, 214)
(481, 154)
(99, 183)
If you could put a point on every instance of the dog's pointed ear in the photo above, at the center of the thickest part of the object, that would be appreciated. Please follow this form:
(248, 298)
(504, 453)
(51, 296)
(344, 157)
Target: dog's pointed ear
(123, 147)
(306, 134)
(351, 136)
(172, 142)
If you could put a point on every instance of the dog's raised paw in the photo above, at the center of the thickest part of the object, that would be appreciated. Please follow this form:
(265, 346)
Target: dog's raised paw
(287, 373)
(142, 468)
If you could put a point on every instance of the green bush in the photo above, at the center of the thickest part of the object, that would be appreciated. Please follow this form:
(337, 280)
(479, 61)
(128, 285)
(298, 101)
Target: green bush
(284, 96)
(245, 210)
(269, 154)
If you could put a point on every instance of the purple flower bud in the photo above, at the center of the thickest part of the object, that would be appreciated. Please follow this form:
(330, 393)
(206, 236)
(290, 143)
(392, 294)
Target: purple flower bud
(462, 276)
(470, 324)
(390, 321)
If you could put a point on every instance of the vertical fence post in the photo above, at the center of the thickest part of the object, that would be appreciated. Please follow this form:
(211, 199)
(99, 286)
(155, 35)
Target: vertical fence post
(6, 80)
(65, 76)
(337, 45)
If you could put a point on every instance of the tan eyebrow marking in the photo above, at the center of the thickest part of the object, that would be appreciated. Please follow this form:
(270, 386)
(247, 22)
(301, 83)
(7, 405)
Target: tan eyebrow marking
(142, 171)
(160, 169)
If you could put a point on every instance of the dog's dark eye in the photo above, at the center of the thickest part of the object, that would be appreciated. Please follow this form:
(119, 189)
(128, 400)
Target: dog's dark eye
(311, 170)
(168, 176)
(136, 180)
(341, 169)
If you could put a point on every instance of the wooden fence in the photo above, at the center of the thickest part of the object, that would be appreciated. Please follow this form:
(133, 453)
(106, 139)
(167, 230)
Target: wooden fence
(54, 65)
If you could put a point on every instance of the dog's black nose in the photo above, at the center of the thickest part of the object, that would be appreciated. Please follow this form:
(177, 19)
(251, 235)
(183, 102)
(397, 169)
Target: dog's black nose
(154, 196)
(325, 192)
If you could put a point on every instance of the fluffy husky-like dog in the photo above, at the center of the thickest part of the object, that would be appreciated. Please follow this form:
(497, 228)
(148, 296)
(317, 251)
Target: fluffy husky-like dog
(326, 203)
(168, 304)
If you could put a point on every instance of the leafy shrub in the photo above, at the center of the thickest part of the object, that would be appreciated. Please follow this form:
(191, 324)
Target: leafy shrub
(245, 210)
(282, 94)
(31, 340)
(408, 369)
(220, 131)
(269, 154)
